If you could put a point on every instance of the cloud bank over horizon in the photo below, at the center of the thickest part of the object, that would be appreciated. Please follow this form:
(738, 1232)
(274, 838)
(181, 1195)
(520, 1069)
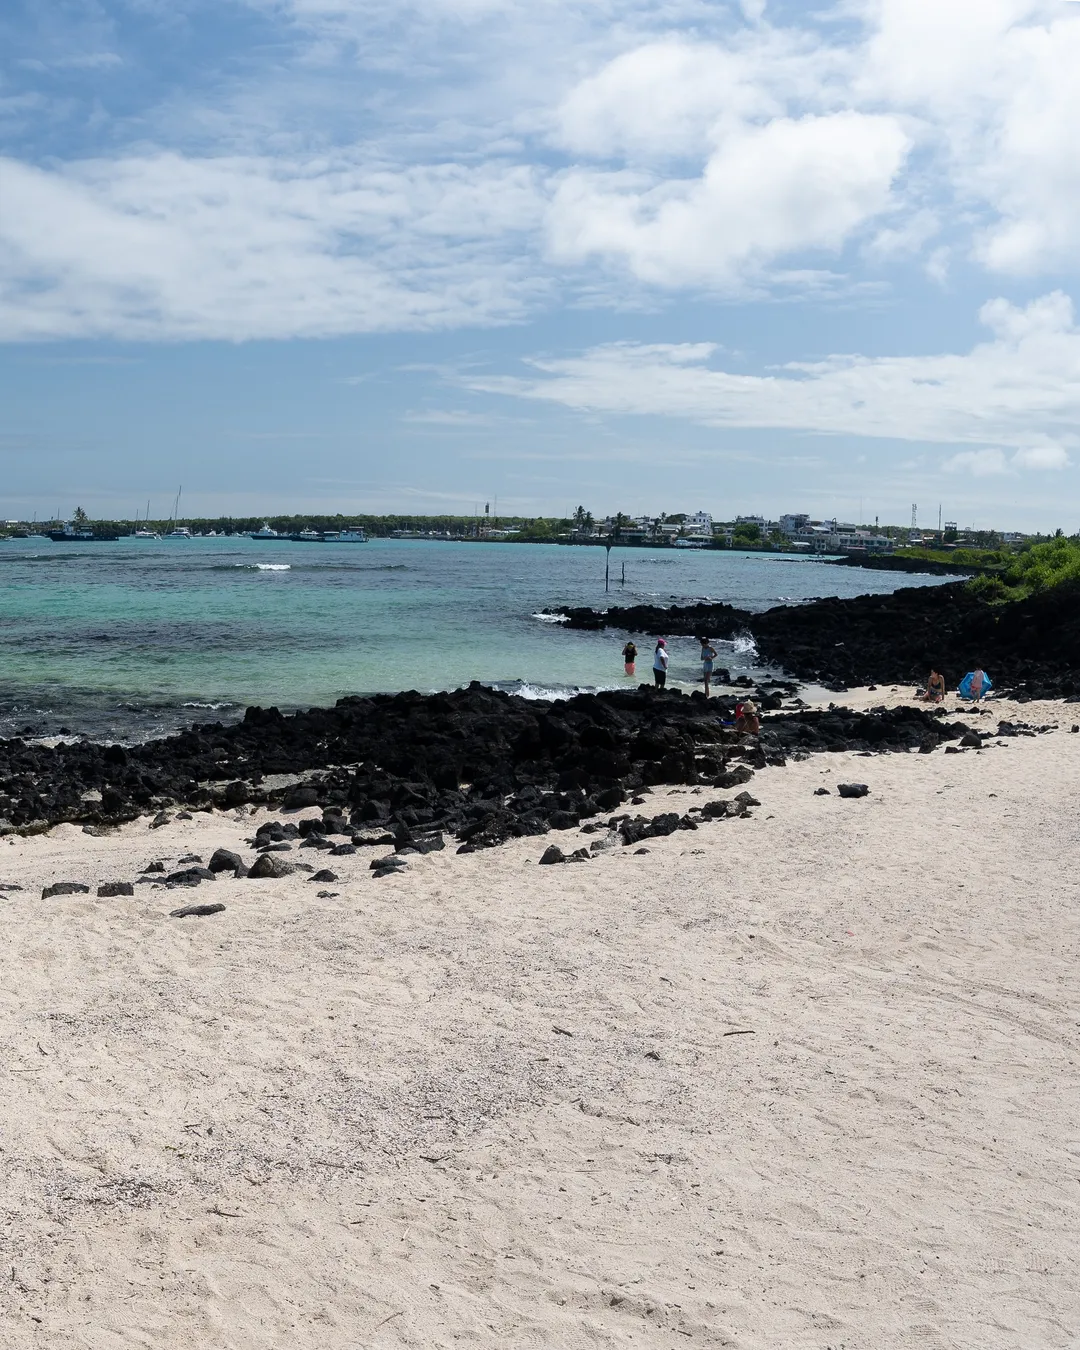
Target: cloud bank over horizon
(1021, 390)
(281, 170)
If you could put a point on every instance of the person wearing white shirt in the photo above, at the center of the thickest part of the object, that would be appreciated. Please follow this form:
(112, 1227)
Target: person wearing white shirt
(660, 663)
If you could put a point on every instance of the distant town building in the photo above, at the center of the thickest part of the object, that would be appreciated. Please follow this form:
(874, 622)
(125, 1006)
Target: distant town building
(794, 524)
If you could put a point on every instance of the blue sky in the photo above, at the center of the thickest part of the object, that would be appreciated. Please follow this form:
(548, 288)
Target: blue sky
(640, 254)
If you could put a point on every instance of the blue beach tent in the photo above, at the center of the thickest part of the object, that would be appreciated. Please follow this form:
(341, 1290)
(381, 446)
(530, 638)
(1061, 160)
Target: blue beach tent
(964, 688)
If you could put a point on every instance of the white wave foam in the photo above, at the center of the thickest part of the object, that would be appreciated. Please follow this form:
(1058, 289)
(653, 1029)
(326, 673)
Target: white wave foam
(269, 567)
(551, 618)
(550, 693)
(745, 645)
(537, 692)
(212, 706)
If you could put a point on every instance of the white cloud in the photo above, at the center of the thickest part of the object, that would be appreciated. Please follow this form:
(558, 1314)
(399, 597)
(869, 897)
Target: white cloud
(987, 90)
(1042, 457)
(236, 248)
(444, 162)
(1018, 391)
(993, 463)
(662, 100)
(995, 82)
(979, 463)
(767, 192)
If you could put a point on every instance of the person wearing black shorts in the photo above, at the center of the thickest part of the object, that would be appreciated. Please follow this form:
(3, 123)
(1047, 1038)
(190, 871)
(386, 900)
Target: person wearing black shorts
(660, 664)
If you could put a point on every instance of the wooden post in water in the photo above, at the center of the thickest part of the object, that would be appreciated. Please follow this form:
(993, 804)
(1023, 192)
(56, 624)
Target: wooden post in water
(607, 566)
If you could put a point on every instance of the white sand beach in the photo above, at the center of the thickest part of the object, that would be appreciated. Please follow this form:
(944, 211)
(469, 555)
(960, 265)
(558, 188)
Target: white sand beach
(807, 1079)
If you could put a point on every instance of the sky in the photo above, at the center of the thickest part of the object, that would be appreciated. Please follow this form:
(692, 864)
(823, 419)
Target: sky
(640, 255)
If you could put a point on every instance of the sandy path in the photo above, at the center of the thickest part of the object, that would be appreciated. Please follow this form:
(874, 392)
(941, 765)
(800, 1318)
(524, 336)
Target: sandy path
(351, 1122)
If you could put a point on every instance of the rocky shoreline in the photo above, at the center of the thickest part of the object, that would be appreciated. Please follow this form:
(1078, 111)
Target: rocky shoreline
(1030, 647)
(896, 562)
(478, 765)
(482, 766)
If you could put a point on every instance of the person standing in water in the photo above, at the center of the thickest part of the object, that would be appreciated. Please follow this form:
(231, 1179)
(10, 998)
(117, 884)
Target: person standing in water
(708, 656)
(660, 663)
(629, 656)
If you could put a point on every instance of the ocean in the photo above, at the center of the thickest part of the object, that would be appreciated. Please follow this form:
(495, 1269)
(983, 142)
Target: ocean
(136, 638)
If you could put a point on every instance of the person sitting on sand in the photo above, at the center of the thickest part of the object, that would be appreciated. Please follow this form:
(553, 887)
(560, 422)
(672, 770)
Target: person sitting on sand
(708, 656)
(660, 663)
(629, 656)
(747, 719)
(935, 688)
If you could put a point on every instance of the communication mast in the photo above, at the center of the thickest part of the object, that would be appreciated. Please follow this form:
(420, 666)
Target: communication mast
(914, 516)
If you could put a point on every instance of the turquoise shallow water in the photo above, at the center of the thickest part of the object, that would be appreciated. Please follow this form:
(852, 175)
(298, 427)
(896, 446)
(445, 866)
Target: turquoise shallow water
(133, 638)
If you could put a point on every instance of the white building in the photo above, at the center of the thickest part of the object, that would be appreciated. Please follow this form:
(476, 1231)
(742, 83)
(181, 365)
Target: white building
(847, 539)
(794, 524)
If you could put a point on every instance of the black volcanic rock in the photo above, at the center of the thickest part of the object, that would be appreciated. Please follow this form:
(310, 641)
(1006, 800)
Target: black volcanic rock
(268, 865)
(477, 765)
(190, 876)
(1030, 647)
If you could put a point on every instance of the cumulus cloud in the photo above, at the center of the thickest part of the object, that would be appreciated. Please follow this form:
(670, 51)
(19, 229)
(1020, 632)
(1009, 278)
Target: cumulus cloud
(986, 89)
(767, 192)
(1018, 391)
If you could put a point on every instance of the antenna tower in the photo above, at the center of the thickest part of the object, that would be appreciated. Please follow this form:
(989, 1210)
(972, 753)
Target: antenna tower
(914, 516)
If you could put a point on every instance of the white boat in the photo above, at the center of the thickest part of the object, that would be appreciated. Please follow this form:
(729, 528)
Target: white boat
(146, 534)
(177, 531)
(265, 533)
(356, 536)
(309, 536)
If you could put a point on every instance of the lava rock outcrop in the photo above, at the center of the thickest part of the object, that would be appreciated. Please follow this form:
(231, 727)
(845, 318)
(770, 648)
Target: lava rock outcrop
(1030, 647)
(479, 765)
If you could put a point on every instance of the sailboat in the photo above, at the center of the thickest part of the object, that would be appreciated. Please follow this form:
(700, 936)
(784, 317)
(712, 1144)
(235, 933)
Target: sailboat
(178, 531)
(145, 532)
